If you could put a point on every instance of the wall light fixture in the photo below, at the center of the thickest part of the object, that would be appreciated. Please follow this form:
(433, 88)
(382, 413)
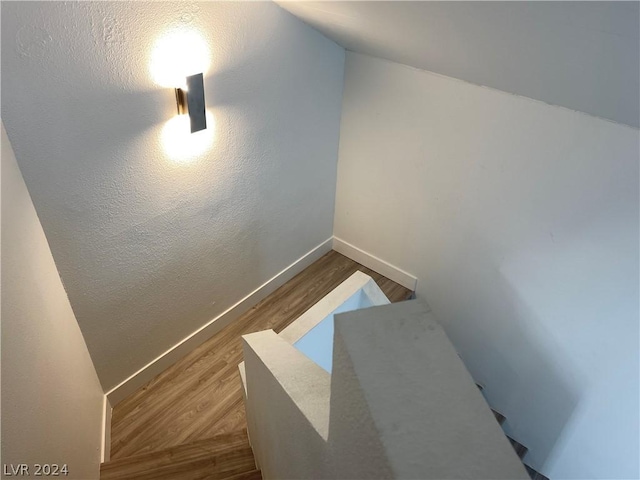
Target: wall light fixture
(190, 100)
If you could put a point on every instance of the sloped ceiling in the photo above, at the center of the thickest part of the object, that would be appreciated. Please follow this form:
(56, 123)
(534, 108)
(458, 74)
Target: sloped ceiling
(579, 55)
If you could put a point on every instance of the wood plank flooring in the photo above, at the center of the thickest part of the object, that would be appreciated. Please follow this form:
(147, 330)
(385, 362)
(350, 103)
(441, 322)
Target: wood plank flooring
(226, 456)
(200, 396)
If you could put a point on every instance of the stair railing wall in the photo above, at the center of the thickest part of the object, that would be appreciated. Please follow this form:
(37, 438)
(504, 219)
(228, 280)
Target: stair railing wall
(287, 405)
(398, 404)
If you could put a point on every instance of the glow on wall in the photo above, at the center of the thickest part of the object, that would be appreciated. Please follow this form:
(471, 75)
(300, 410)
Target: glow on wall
(183, 146)
(176, 55)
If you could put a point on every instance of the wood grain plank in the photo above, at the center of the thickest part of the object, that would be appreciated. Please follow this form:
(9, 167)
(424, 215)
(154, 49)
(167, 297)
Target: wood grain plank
(217, 457)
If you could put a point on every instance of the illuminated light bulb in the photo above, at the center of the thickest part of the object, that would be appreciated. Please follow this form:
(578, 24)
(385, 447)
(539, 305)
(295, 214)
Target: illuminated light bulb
(177, 55)
(180, 144)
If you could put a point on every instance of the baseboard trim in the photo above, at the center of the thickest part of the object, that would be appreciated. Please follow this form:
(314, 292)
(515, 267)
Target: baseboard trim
(186, 345)
(376, 264)
(105, 455)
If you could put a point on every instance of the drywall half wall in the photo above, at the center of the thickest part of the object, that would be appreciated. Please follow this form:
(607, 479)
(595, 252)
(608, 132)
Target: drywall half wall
(151, 239)
(520, 221)
(52, 402)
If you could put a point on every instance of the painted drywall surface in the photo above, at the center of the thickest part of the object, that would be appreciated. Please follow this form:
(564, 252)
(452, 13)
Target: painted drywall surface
(287, 396)
(397, 374)
(52, 402)
(150, 249)
(287, 404)
(304, 423)
(520, 221)
(288, 417)
(582, 55)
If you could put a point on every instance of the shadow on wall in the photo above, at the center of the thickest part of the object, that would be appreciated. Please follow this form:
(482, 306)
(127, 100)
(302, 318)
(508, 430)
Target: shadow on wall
(578, 298)
(551, 322)
(537, 388)
(526, 375)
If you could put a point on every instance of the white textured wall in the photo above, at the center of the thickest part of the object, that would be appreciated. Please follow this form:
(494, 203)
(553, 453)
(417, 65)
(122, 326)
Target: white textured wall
(287, 404)
(149, 249)
(52, 402)
(399, 392)
(398, 404)
(520, 221)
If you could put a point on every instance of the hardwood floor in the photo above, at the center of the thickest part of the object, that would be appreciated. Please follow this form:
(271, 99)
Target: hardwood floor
(200, 396)
(226, 457)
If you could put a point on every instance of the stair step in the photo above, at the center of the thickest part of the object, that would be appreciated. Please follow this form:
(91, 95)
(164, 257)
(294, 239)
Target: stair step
(533, 474)
(499, 417)
(219, 457)
(520, 449)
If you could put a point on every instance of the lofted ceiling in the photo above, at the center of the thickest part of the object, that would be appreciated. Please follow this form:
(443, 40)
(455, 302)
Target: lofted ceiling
(579, 55)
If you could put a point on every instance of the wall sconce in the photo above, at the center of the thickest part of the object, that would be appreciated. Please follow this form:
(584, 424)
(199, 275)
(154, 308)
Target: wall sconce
(190, 101)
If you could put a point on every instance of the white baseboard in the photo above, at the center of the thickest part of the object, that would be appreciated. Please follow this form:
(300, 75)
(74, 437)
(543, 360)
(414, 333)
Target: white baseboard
(186, 345)
(376, 264)
(106, 431)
